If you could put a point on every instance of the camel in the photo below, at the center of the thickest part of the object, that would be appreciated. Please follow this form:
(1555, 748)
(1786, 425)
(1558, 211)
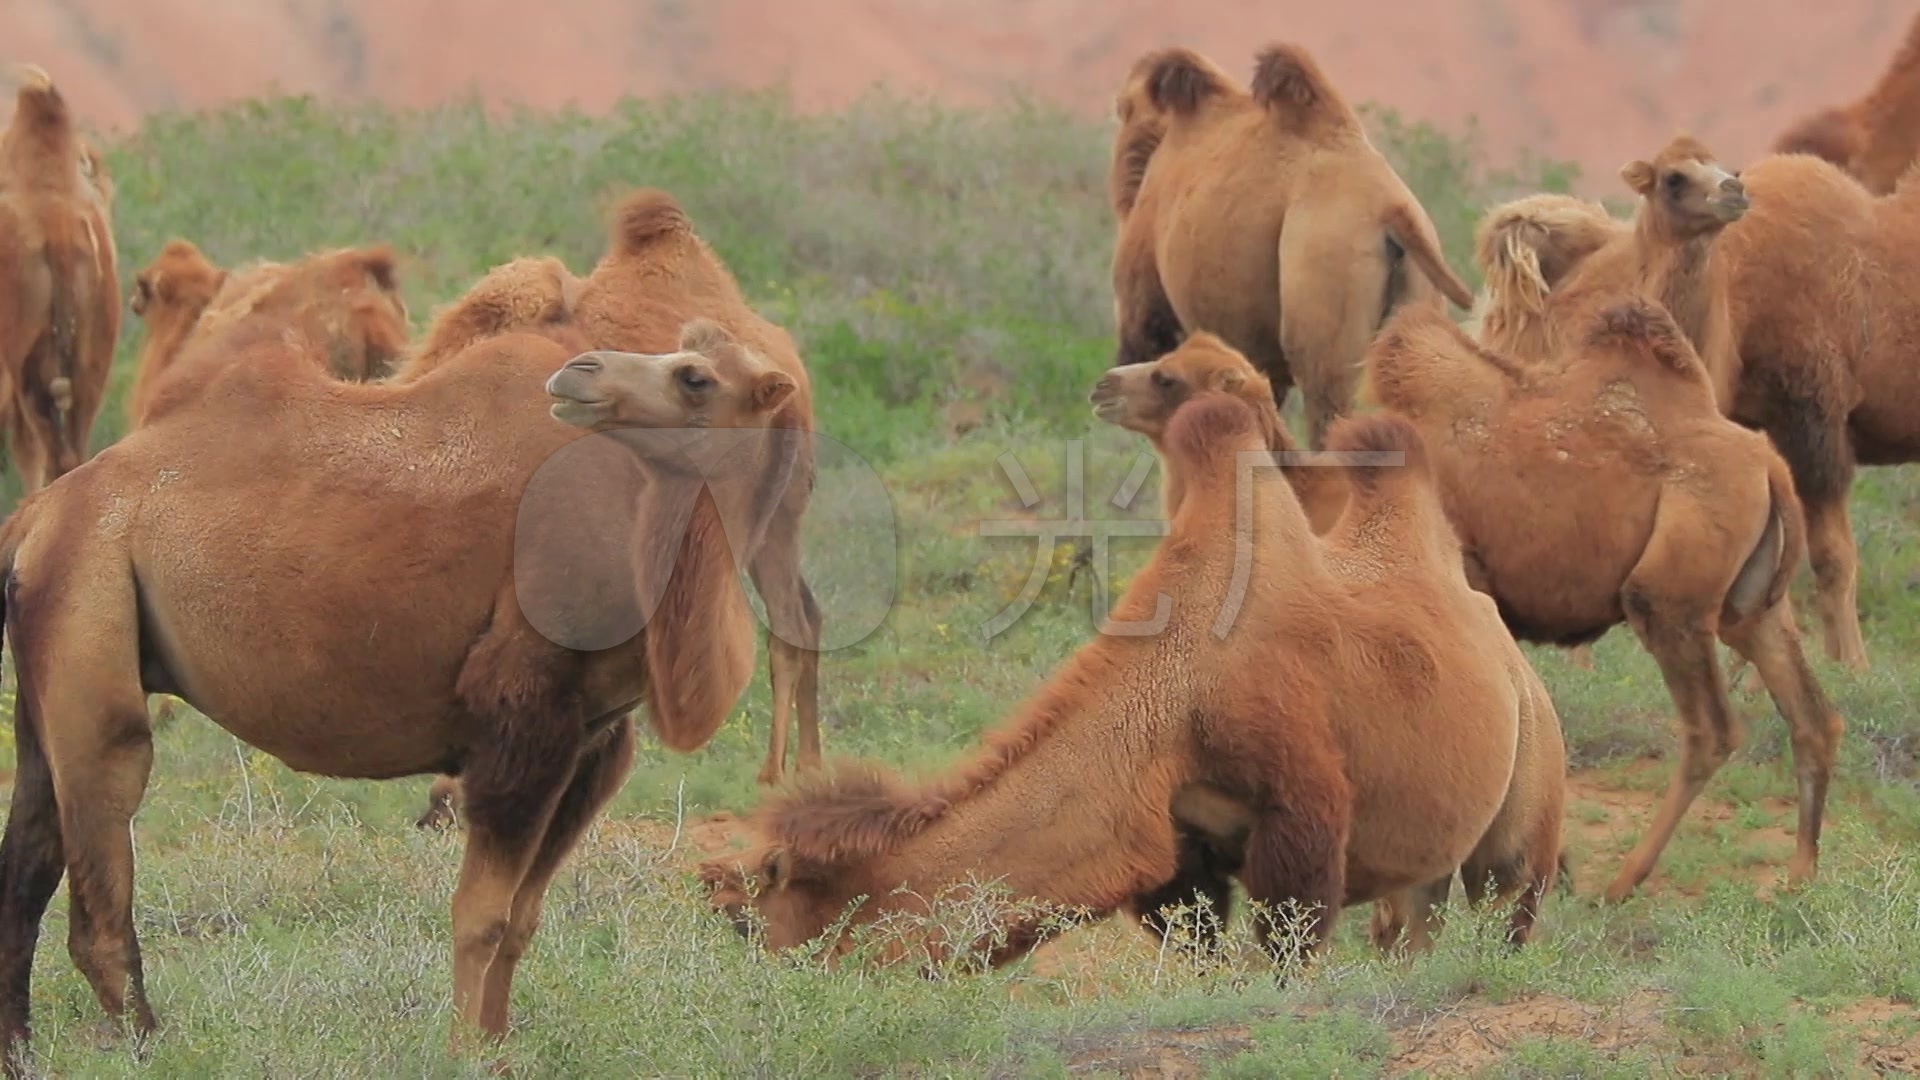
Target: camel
(1645, 506)
(621, 305)
(1875, 138)
(1322, 743)
(346, 302)
(1142, 397)
(178, 589)
(59, 293)
(1262, 214)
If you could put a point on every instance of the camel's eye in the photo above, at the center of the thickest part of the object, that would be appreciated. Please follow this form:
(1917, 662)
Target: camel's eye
(695, 380)
(1162, 380)
(1675, 182)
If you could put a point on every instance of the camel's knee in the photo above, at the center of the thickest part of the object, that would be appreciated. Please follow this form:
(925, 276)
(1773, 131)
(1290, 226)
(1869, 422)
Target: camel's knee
(483, 937)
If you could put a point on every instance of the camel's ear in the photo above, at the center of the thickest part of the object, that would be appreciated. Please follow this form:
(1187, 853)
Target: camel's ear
(1229, 380)
(776, 871)
(380, 265)
(703, 336)
(1638, 175)
(772, 388)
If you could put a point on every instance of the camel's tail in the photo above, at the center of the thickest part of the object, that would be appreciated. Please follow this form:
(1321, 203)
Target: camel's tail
(1767, 574)
(1413, 230)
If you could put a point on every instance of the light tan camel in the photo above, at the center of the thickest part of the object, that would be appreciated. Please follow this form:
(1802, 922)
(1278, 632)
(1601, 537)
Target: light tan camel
(118, 585)
(1262, 214)
(1246, 735)
(1643, 505)
(59, 294)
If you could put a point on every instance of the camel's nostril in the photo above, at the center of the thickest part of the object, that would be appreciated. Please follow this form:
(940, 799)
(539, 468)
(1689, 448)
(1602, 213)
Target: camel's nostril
(584, 365)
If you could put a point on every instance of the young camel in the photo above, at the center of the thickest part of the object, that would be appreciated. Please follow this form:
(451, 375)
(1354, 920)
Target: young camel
(345, 302)
(1262, 214)
(1309, 735)
(59, 290)
(1646, 506)
(1876, 138)
(117, 586)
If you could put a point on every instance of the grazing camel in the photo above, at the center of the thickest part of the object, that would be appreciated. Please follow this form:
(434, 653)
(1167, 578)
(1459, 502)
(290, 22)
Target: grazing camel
(161, 567)
(59, 293)
(1325, 738)
(345, 302)
(1876, 138)
(1644, 505)
(1262, 214)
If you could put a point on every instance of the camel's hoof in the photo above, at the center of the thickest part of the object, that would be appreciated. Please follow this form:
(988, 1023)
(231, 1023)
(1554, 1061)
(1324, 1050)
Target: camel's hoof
(769, 777)
(438, 816)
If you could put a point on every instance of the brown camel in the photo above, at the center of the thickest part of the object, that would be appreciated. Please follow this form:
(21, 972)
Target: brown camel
(1262, 214)
(1326, 739)
(1876, 138)
(346, 303)
(657, 264)
(1644, 505)
(59, 293)
(1143, 397)
(179, 588)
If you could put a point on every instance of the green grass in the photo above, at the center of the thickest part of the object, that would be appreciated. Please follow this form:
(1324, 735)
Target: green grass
(924, 257)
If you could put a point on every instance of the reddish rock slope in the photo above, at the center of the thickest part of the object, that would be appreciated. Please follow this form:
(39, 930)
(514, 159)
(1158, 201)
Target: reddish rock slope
(1596, 81)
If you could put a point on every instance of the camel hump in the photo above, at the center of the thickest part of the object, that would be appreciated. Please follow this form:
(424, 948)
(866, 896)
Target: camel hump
(1287, 78)
(1640, 327)
(1391, 446)
(33, 77)
(1179, 80)
(646, 215)
(1209, 425)
(381, 266)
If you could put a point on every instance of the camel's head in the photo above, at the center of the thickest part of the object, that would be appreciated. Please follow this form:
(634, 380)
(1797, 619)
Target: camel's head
(712, 380)
(1143, 397)
(177, 285)
(772, 887)
(1692, 191)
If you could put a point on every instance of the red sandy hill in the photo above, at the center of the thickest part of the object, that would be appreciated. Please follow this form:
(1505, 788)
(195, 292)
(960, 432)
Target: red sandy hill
(1595, 81)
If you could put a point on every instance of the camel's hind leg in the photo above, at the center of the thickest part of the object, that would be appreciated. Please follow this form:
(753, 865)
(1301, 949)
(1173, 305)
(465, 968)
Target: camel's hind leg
(793, 640)
(1332, 297)
(1836, 574)
(1768, 640)
(1662, 604)
(32, 860)
(1411, 915)
(602, 769)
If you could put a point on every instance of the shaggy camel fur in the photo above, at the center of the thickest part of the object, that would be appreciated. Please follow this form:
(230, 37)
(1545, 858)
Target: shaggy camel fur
(1646, 506)
(1142, 398)
(1876, 138)
(1309, 735)
(118, 584)
(1263, 215)
(59, 290)
(345, 302)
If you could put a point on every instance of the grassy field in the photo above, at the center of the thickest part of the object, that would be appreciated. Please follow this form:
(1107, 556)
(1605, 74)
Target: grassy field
(946, 274)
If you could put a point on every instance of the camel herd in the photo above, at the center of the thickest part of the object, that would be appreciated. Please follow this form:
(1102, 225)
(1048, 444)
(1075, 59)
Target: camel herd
(1646, 422)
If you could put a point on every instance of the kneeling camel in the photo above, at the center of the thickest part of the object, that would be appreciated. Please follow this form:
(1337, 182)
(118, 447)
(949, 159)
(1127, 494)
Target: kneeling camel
(1243, 735)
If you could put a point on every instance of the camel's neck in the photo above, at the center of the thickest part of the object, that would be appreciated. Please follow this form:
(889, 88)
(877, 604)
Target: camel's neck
(1681, 272)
